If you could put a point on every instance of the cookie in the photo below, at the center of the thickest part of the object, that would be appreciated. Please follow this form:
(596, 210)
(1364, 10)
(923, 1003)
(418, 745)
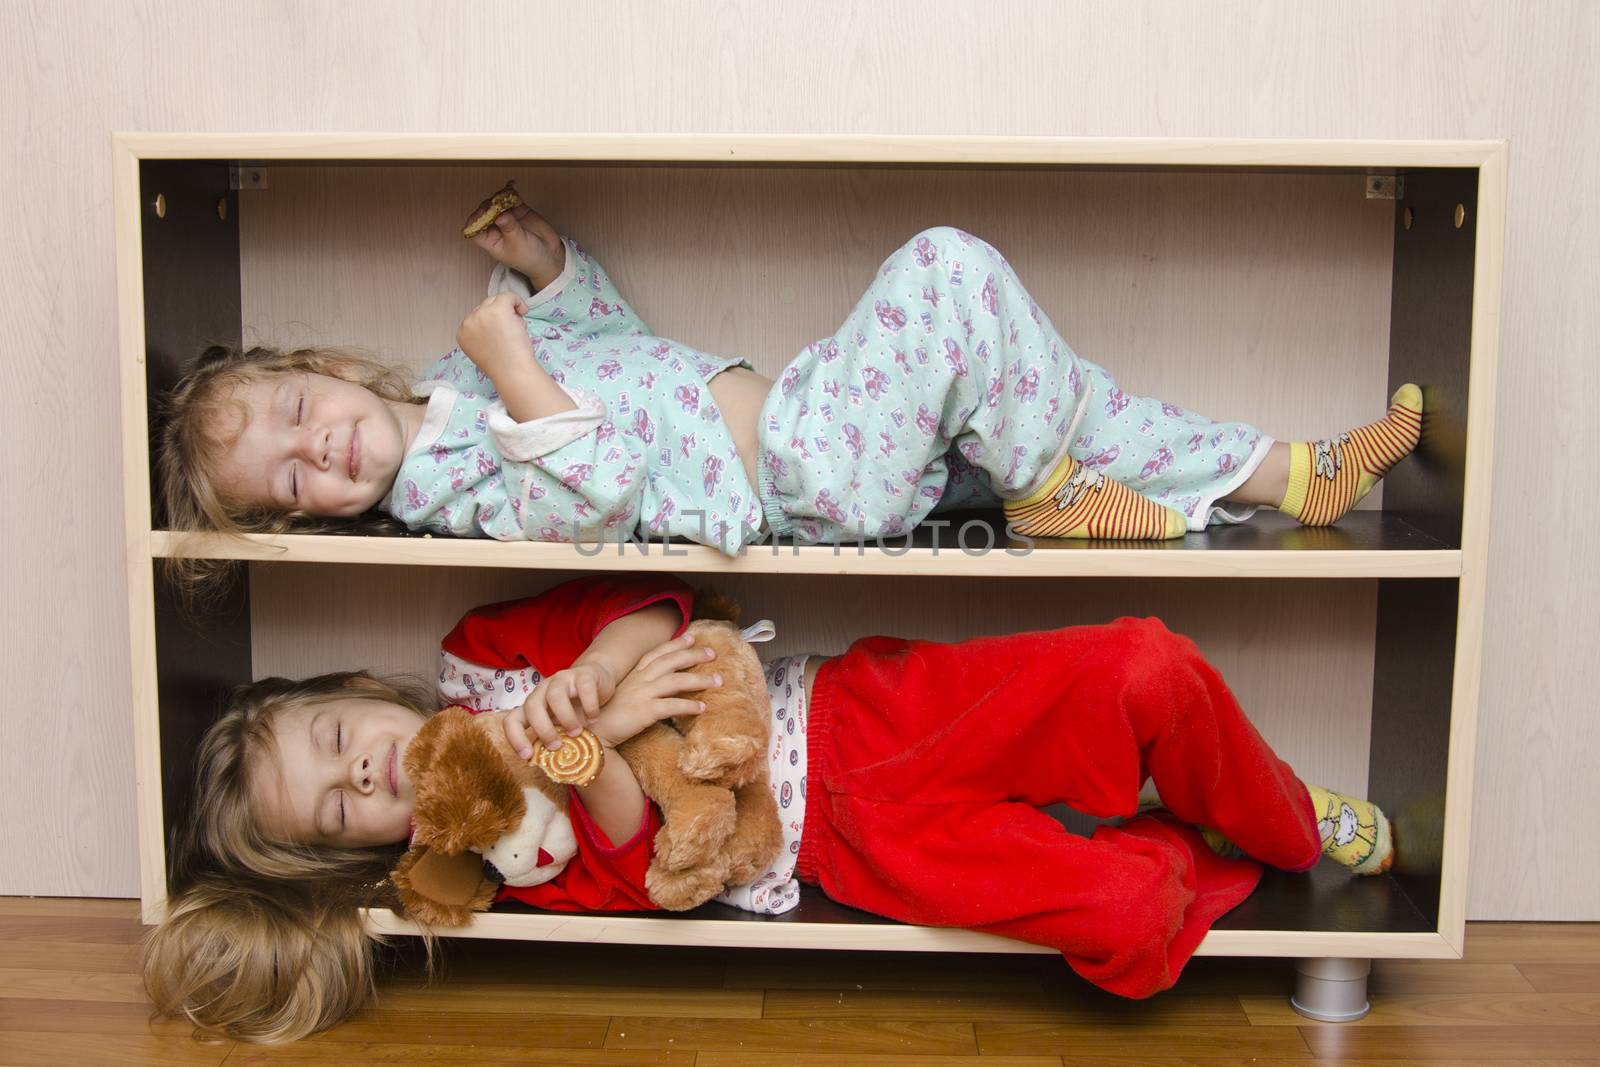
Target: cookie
(576, 762)
(504, 200)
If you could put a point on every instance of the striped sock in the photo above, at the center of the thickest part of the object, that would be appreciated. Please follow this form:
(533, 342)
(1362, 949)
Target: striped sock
(1076, 501)
(1327, 477)
(1355, 833)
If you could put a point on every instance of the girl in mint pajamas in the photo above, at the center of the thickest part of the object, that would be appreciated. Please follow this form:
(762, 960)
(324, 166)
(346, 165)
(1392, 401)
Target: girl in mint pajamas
(946, 387)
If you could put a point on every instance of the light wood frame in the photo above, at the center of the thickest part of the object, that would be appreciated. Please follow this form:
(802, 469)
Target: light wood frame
(1449, 570)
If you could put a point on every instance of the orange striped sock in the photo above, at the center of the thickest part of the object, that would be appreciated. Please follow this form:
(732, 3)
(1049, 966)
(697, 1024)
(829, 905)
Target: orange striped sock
(1082, 503)
(1327, 477)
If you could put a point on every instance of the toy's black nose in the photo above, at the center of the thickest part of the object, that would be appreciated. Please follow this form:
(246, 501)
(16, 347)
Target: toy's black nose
(491, 872)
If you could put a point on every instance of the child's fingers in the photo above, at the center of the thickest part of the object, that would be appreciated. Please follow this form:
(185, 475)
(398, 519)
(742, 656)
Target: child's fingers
(683, 660)
(669, 708)
(517, 734)
(589, 697)
(539, 720)
(679, 642)
(559, 702)
(687, 682)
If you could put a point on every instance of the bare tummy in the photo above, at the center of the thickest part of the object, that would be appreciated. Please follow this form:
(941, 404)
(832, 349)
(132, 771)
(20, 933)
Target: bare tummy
(739, 394)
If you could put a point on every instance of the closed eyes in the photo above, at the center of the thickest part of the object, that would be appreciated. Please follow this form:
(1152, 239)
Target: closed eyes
(294, 470)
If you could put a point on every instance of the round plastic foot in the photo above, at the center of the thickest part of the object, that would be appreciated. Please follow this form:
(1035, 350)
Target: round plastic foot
(1331, 990)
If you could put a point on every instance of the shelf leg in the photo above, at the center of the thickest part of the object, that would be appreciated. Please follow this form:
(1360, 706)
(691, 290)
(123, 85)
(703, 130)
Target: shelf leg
(1331, 990)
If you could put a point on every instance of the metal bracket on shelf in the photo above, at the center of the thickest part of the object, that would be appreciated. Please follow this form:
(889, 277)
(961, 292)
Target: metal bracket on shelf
(1385, 185)
(246, 176)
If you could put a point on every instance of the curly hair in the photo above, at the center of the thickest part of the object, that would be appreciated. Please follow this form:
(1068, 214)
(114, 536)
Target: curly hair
(264, 941)
(195, 435)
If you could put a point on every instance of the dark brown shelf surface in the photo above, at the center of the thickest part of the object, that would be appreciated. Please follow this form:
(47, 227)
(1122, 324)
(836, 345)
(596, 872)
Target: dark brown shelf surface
(1326, 898)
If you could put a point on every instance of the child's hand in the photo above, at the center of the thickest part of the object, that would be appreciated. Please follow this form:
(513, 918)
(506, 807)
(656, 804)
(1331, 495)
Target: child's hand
(493, 335)
(568, 700)
(656, 689)
(522, 240)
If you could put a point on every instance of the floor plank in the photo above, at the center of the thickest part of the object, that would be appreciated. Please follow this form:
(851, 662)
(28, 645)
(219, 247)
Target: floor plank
(1447, 1009)
(1472, 1044)
(444, 1028)
(71, 985)
(1446, 976)
(71, 928)
(855, 1036)
(1533, 943)
(866, 971)
(1337, 1061)
(1562, 977)
(85, 1016)
(392, 1054)
(824, 1059)
(65, 956)
(25, 1048)
(71, 907)
(579, 1000)
(1004, 1006)
(1134, 1040)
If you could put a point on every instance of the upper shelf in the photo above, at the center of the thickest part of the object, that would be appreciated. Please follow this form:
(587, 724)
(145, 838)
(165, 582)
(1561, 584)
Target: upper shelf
(807, 148)
(1365, 544)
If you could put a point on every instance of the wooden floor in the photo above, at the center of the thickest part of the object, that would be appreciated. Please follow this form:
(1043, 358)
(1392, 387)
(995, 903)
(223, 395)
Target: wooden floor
(1526, 994)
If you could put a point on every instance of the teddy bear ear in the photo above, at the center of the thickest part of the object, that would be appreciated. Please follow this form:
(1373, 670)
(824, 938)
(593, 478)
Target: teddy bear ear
(714, 604)
(467, 798)
(441, 890)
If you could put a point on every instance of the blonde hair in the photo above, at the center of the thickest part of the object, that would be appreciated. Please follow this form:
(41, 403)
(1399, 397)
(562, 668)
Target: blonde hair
(263, 940)
(192, 444)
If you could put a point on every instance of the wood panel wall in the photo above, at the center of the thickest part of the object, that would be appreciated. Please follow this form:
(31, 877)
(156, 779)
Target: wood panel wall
(1434, 69)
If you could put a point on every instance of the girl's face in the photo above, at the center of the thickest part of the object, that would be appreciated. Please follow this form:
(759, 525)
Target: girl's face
(310, 444)
(338, 777)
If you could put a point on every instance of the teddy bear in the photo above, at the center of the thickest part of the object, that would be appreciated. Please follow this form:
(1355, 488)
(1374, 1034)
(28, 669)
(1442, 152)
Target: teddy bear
(484, 816)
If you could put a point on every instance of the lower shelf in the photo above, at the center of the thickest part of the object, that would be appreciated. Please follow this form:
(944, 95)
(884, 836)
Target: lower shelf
(1323, 913)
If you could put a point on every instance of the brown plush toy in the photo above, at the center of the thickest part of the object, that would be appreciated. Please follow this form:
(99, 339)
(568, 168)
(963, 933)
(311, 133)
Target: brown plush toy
(486, 816)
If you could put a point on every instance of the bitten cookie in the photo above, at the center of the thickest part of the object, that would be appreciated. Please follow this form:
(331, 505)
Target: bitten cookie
(504, 200)
(576, 762)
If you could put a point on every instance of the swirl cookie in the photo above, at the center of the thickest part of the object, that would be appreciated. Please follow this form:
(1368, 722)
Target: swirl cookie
(504, 200)
(576, 762)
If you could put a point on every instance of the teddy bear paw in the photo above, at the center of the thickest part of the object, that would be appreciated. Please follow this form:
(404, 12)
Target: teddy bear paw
(682, 890)
(724, 761)
(693, 835)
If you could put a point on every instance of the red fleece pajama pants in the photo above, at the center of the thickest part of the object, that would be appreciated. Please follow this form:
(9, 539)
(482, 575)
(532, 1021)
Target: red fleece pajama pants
(927, 764)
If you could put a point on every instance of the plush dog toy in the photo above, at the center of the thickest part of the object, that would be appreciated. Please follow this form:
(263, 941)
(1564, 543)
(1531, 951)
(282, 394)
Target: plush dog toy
(485, 816)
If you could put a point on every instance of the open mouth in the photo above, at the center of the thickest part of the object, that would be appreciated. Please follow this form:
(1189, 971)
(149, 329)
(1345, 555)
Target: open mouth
(544, 858)
(393, 770)
(355, 454)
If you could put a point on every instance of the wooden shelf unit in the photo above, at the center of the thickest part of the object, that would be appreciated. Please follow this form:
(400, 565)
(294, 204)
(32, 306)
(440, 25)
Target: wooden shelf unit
(179, 285)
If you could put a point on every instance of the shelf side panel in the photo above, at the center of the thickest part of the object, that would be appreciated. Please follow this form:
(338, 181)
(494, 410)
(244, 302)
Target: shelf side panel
(191, 275)
(1430, 343)
(1412, 680)
(191, 298)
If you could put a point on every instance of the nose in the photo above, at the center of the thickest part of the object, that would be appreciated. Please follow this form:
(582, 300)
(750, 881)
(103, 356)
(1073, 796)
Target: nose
(361, 774)
(315, 446)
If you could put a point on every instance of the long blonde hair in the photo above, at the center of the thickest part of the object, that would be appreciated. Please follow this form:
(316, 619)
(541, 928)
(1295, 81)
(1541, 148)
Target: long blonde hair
(263, 940)
(193, 442)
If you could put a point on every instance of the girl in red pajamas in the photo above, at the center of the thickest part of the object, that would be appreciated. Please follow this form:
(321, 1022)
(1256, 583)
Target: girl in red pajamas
(921, 773)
